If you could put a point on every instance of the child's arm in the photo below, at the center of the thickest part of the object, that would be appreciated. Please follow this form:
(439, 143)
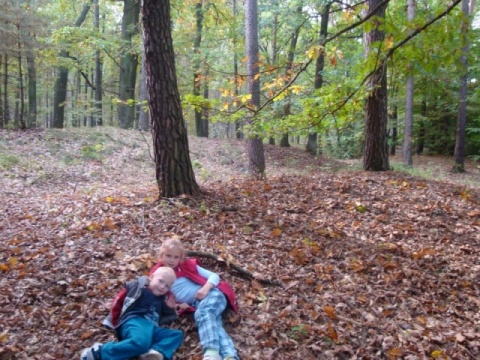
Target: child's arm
(212, 281)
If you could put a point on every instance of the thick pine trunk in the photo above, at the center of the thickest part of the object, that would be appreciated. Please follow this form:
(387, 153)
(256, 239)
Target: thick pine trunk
(173, 167)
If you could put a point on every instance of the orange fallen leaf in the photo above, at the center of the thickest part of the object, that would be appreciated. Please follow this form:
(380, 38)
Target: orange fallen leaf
(330, 311)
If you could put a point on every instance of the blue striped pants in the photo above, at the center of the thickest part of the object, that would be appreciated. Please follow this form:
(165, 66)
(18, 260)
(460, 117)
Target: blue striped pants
(208, 318)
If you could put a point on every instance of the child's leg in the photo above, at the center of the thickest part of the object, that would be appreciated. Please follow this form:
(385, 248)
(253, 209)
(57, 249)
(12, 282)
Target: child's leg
(227, 348)
(166, 341)
(136, 335)
(208, 310)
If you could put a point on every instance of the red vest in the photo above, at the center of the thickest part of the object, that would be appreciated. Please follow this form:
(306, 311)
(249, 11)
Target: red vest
(188, 269)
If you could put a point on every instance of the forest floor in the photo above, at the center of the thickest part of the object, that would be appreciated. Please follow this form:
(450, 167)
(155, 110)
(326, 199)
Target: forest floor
(369, 265)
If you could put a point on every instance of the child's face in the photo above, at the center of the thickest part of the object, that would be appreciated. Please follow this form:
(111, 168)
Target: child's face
(171, 257)
(160, 284)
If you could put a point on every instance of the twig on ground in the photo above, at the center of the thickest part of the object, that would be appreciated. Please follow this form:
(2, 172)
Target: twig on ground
(234, 266)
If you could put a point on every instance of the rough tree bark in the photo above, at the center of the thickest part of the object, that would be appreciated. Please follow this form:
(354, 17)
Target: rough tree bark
(376, 147)
(256, 155)
(173, 167)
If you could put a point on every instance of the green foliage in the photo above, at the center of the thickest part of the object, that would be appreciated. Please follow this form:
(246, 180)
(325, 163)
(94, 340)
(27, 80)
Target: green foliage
(298, 332)
(197, 164)
(92, 152)
(8, 161)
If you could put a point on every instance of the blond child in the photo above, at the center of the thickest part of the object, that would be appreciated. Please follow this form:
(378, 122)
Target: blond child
(135, 315)
(202, 290)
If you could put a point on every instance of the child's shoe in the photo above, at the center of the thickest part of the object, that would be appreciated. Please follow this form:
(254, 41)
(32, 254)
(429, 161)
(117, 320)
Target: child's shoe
(152, 355)
(208, 356)
(92, 353)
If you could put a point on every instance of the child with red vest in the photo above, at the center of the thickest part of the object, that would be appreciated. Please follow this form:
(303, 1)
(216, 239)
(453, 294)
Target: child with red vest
(206, 295)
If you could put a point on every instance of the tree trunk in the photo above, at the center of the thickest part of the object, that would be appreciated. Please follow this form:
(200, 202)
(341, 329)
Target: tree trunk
(60, 88)
(394, 131)
(173, 168)
(238, 123)
(98, 119)
(197, 70)
(21, 98)
(32, 80)
(459, 154)
(422, 131)
(407, 135)
(288, 70)
(256, 165)
(143, 116)
(6, 105)
(128, 64)
(376, 147)
(312, 142)
(205, 111)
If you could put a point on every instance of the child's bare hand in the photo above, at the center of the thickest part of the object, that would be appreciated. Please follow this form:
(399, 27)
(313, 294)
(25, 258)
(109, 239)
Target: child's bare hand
(171, 301)
(180, 307)
(202, 293)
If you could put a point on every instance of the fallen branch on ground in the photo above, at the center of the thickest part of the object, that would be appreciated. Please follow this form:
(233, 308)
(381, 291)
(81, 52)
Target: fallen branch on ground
(234, 266)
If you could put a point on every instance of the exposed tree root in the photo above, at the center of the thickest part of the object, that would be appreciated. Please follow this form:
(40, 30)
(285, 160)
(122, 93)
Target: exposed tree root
(237, 268)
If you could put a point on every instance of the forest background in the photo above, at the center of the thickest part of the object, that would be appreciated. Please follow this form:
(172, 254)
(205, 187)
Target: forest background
(375, 265)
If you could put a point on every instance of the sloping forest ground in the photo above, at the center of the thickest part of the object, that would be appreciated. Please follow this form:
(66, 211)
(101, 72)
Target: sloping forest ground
(371, 265)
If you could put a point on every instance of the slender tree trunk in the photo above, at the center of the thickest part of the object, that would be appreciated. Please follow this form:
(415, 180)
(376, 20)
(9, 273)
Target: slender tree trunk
(21, 98)
(143, 117)
(271, 139)
(205, 111)
(407, 135)
(6, 117)
(256, 165)
(288, 72)
(98, 118)
(312, 141)
(77, 84)
(128, 64)
(421, 129)
(60, 88)
(197, 70)
(459, 154)
(173, 167)
(394, 131)
(32, 80)
(85, 107)
(238, 123)
(376, 147)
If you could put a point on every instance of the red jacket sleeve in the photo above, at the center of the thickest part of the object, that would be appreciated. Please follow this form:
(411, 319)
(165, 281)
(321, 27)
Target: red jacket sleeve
(117, 305)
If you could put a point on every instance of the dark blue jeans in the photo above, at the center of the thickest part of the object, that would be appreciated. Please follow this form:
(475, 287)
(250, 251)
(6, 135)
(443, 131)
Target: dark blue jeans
(138, 336)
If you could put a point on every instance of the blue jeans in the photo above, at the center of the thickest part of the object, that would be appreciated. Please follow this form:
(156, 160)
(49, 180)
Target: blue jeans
(208, 318)
(140, 335)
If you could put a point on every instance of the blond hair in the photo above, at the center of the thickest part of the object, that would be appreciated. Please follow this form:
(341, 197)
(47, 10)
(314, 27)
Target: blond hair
(166, 273)
(172, 243)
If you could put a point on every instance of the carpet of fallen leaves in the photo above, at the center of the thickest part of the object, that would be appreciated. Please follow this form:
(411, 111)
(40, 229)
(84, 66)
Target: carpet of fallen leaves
(371, 265)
